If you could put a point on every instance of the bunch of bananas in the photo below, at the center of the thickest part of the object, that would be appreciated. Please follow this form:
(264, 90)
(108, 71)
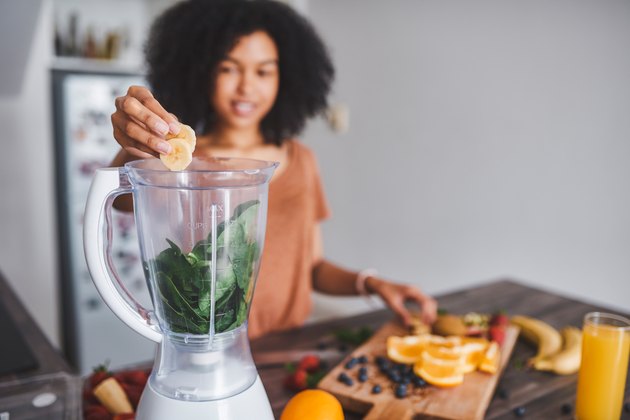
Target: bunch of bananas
(558, 351)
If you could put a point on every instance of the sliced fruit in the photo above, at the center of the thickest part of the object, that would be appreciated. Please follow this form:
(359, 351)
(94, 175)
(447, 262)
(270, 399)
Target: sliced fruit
(440, 380)
(406, 349)
(441, 366)
(449, 325)
(491, 359)
(186, 133)
(180, 156)
(474, 352)
(111, 394)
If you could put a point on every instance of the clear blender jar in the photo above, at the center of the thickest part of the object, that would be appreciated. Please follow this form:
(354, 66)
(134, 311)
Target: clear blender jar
(201, 234)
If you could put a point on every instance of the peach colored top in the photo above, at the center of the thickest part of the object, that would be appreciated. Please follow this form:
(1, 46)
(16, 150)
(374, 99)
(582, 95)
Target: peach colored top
(282, 298)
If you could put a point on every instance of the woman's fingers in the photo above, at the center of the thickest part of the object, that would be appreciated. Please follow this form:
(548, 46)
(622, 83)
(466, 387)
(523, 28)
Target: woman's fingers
(132, 146)
(133, 108)
(142, 105)
(127, 129)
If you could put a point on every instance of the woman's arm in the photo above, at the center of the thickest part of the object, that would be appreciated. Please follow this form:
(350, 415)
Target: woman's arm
(332, 279)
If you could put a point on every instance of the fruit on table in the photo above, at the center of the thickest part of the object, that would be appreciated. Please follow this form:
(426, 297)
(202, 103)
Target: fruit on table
(566, 361)
(180, 156)
(491, 359)
(449, 324)
(113, 397)
(543, 335)
(441, 367)
(407, 349)
(312, 404)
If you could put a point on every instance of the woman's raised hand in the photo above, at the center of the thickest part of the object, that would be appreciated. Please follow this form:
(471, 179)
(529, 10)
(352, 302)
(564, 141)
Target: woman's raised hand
(141, 123)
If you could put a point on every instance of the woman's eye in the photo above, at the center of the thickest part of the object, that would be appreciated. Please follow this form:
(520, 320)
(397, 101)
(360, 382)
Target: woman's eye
(265, 73)
(227, 69)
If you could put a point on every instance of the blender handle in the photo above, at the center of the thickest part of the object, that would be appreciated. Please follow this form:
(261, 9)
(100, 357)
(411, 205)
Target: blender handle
(109, 183)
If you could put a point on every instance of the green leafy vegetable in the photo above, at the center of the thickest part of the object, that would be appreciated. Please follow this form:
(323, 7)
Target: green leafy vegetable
(184, 281)
(353, 337)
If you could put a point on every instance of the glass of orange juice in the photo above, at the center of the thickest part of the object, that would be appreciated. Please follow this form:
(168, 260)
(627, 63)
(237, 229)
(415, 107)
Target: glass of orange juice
(602, 377)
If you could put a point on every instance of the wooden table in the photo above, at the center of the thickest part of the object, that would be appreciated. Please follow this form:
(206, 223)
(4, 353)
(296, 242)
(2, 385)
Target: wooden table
(541, 394)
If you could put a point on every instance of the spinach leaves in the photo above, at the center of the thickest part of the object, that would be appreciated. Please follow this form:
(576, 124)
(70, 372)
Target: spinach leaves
(184, 281)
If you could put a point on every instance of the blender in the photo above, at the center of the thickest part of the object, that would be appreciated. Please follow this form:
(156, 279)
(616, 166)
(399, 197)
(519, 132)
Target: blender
(201, 233)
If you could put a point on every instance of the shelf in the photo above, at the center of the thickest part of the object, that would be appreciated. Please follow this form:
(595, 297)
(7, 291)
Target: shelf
(93, 65)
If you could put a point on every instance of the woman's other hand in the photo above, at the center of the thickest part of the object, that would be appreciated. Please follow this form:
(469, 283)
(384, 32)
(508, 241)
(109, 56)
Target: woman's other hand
(141, 123)
(395, 295)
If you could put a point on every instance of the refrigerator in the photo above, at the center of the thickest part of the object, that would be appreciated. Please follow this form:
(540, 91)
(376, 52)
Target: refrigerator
(83, 102)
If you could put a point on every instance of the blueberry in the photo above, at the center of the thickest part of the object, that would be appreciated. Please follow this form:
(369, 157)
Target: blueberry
(342, 377)
(567, 408)
(363, 377)
(394, 377)
(519, 411)
(380, 360)
(363, 359)
(349, 382)
(376, 389)
(503, 394)
(418, 381)
(362, 370)
(351, 363)
(401, 391)
(405, 380)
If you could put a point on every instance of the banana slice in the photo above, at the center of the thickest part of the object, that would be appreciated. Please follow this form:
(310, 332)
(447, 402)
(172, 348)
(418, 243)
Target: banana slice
(186, 133)
(180, 156)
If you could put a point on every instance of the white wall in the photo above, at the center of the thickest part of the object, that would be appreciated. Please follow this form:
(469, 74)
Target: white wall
(487, 139)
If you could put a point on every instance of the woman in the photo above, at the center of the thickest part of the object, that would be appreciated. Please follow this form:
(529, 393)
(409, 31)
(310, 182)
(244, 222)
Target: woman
(246, 75)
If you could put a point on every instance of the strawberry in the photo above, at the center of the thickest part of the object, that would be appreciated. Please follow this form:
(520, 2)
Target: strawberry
(96, 412)
(99, 375)
(499, 319)
(497, 333)
(125, 416)
(296, 381)
(136, 377)
(309, 363)
(133, 392)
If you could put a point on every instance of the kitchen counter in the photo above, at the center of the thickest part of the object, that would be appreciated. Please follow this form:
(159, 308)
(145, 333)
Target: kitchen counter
(541, 394)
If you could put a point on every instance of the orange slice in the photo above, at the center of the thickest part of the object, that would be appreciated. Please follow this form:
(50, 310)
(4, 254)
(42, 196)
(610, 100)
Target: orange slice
(474, 352)
(406, 349)
(440, 380)
(441, 366)
(491, 358)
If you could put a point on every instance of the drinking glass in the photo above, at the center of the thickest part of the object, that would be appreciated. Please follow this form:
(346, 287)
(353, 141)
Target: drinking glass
(602, 376)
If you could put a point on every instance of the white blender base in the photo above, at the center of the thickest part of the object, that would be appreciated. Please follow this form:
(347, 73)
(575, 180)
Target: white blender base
(249, 404)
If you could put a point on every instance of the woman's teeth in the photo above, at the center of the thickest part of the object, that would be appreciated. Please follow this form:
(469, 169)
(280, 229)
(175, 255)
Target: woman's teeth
(243, 107)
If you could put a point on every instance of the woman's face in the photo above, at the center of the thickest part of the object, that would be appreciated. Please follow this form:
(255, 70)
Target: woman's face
(247, 82)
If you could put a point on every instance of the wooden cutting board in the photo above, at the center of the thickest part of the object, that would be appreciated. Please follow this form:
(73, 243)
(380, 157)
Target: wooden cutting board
(467, 401)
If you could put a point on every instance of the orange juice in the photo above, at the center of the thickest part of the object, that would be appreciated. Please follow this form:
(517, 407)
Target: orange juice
(602, 377)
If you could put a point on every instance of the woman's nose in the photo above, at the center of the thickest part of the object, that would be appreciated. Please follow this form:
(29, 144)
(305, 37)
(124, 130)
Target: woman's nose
(246, 83)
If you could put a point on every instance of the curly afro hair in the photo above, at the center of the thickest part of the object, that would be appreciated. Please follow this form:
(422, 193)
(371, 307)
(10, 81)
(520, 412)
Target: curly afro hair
(188, 41)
